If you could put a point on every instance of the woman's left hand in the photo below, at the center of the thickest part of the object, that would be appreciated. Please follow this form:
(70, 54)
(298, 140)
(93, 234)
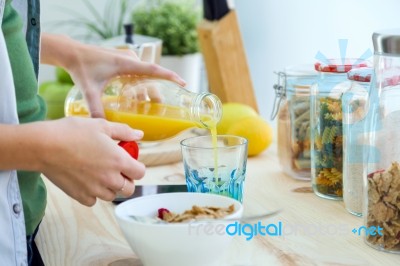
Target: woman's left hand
(91, 67)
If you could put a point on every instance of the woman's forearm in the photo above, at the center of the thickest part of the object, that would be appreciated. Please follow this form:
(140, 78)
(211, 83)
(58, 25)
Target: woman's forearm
(58, 50)
(21, 146)
(99, 63)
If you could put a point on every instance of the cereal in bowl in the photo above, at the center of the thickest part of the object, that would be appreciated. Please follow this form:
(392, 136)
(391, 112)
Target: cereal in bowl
(196, 213)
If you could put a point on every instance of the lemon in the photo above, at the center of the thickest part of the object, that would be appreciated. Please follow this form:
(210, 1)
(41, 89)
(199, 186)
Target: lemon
(258, 133)
(231, 112)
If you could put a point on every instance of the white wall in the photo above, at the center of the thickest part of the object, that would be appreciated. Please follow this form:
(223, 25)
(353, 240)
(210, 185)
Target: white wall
(279, 33)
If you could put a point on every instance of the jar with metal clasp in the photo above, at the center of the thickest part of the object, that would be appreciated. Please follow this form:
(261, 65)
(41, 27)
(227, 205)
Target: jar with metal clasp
(292, 109)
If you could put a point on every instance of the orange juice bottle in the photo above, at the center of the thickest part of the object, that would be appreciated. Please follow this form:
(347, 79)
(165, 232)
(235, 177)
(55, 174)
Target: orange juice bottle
(161, 108)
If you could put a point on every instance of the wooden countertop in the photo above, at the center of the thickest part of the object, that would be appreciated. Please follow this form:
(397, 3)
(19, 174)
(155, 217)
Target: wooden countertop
(72, 234)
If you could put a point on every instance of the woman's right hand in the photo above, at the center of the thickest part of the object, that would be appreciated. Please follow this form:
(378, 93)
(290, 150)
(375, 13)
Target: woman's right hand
(82, 157)
(88, 163)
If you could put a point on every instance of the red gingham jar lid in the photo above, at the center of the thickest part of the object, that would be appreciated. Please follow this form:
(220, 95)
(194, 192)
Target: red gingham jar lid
(339, 65)
(362, 74)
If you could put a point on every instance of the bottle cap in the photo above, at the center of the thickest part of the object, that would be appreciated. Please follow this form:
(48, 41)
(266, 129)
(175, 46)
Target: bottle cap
(339, 65)
(362, 74)
(131, 147)
(387, 42)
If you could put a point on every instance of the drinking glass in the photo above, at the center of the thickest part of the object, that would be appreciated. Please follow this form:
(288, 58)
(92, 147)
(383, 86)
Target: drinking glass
(215, 165)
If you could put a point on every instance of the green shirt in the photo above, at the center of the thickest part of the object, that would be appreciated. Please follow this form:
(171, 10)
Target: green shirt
(30, 108)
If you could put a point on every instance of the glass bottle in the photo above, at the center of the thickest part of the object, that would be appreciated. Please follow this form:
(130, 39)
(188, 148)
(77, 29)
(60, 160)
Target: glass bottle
(160, 108)
(355, 119)
(292, 107)
(326, 126)
(382, 178)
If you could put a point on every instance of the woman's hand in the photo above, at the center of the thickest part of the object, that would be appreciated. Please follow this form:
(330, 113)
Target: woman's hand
(79, 155)
(91, 67)
(88, 164)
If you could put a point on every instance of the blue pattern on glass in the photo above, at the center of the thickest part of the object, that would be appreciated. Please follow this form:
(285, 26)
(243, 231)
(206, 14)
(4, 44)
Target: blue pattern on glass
(228, 182)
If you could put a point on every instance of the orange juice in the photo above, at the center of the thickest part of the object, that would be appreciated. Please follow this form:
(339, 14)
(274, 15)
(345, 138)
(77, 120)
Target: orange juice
(157, 121)
(213, 132)
(77, 108)
(160, 108)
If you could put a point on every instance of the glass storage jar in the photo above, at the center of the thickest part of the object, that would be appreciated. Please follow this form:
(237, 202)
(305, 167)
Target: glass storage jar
(355, 119)
(326, 126)
(160, 108)
(382, 181)
(292, 107)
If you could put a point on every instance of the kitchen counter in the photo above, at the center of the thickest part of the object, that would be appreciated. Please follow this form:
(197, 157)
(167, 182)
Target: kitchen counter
(314, 231)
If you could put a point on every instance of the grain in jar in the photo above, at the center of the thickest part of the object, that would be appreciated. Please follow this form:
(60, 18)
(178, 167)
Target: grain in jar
(382, 182)
(355, 121)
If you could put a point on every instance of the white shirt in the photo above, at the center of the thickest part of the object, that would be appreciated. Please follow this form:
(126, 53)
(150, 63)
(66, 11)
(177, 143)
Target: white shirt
(12, 226)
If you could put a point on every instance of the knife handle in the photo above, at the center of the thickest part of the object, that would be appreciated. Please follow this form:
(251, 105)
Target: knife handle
(215, 9)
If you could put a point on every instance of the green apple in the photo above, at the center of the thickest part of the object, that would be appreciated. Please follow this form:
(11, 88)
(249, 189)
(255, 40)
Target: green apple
(63, 76)
(54, 94)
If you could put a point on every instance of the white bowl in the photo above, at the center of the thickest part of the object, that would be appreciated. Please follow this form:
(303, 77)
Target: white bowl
(178, 244)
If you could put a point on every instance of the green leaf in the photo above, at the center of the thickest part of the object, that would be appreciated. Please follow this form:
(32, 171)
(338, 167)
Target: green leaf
(93, 11)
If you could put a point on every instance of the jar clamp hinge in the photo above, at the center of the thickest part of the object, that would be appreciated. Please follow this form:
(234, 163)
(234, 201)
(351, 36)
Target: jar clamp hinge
(280, 93)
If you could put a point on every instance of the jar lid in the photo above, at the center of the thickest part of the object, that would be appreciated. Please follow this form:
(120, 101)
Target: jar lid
(302, 70)
(362, 74)
(387, 41)
(339, 65)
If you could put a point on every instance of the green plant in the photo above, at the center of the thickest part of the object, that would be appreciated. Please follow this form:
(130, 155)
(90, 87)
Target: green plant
(174, 22)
